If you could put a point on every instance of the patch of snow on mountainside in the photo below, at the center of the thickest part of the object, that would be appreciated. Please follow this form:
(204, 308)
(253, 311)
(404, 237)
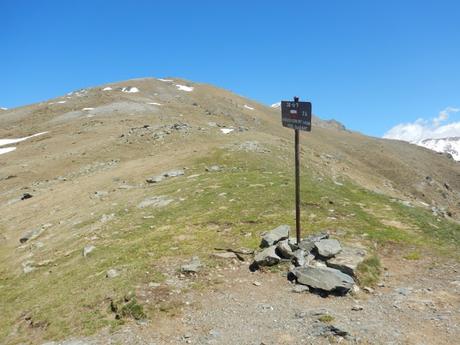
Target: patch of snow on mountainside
(449, 145)
(4, 142)
(276, 105)
(184, 88)
(2, 108)
(130, 89)
(6, 150)
(165, 80)
(248, 107)
(108, 88)
(226, 130)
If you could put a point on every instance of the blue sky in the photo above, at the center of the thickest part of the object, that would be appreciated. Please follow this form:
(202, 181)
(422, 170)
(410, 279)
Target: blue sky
(369, 64)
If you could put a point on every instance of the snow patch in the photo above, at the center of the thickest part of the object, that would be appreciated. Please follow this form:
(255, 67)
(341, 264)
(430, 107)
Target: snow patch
(4, 142)
(2, 108)
(276, 105)
(226, 130)
(108, 88)
(165, 80)
(443, 145)
(184, 88)
(6, 150)
(154, 103)
(87, 109)
(248, 107)
(130, 89)
(61, 102)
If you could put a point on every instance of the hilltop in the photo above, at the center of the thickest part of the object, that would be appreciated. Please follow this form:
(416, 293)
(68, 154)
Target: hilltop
(227, 175)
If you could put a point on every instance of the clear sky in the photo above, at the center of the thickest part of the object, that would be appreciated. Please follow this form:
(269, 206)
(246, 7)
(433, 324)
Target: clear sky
(369, 64)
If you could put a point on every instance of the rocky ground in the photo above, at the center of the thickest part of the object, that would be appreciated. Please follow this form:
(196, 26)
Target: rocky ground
(415, 303)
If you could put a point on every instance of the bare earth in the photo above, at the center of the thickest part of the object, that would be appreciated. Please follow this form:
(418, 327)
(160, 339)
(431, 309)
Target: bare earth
(416, 303)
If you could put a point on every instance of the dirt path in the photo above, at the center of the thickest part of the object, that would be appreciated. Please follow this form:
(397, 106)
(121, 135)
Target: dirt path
(416, 303)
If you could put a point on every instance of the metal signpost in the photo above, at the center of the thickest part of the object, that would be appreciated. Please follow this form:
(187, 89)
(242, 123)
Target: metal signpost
(296, 115)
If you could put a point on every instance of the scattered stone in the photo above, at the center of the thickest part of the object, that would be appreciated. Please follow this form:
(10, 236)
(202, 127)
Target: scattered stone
(347, 260)
(324, 278)
(368, 289)
(403, 291)
(267, 257)
(225, 255)
(155, 179)
(330, 330)
(155, 201)
(88, 249)
(213, 168)
(274, 236)
(26, 196)
(174, 173)
(27, 266)
(112, 273)
(194, 266)
(357, 307)
(300, 288)
(327, 248)
(166, 174)
(101, 193)
(283, 249)
(30, 235)
(256, 283)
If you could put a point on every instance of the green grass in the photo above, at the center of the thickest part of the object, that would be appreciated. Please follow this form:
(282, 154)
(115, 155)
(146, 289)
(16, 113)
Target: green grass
(369, 271)
(253, 193)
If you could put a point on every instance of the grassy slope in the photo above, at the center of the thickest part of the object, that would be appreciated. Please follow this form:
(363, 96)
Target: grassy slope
(71, 296)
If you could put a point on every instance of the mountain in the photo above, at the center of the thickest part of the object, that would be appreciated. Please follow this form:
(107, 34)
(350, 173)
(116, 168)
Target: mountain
(106, 191)
(450, 146)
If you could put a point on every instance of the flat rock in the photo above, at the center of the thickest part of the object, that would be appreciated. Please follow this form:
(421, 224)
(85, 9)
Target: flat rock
(274, 236)
(267, 257)
(324, 278)
(225, 255)
(327, 248)
(194, 266)
(174, 173)
(308, 244)
(347, 260)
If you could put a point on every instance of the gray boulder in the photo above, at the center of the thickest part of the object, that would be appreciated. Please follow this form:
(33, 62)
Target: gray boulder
(267, 257)
(298, 258)
(328, 248)
(308, 244)
(274, 236)
(194, 266)
(283, 249)
(324, 278)
(347, 260)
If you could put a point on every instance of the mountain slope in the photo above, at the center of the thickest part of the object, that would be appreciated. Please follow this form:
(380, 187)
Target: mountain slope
(87, 180)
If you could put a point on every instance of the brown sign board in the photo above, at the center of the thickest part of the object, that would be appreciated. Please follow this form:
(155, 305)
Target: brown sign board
(296, 115)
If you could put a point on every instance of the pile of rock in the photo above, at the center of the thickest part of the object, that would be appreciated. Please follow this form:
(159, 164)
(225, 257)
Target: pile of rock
(319, 263)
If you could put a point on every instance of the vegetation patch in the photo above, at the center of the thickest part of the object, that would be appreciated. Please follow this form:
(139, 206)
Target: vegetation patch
(369, 271)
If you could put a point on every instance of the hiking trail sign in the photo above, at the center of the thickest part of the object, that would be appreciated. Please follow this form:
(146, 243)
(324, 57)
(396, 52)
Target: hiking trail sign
(296, 115)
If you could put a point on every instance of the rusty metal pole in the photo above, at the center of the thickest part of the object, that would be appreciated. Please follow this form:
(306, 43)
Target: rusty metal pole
(297, 182)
